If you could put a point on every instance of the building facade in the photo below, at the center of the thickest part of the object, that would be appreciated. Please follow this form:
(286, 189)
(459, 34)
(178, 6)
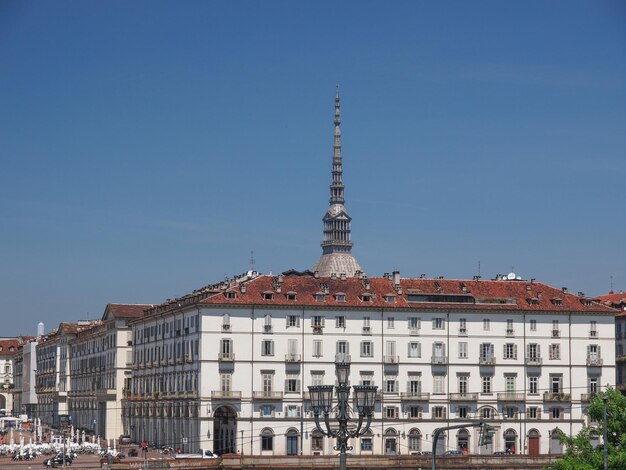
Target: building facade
(227, 367)
(8, 350)
(100, 364)
(617, 300)
(52, 375)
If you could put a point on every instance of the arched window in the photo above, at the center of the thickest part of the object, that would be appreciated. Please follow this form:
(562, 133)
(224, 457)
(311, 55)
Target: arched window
(462, 438)
(510, 438)
(555, 444)
(292, 436)
(367, 441)
(317, 441)
(267, 439)
(415, 440)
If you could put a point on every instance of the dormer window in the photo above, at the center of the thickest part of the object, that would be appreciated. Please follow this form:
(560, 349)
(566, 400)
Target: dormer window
(340, 297)
(533, 301)
(290, 295)
(230, 295)
(320, 297)
(587, 302)
(557, 302)
(366, 297)
(268, 295)
(390, 299)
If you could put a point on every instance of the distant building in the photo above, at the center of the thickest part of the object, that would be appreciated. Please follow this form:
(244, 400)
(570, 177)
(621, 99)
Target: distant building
(8, 349)
(100, 360)
(25, 364)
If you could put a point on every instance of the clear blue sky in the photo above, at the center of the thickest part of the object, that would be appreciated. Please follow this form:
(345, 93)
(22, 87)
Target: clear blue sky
(147, 147)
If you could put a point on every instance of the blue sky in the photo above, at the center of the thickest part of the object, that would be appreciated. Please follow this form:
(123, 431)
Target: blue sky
(148, 147)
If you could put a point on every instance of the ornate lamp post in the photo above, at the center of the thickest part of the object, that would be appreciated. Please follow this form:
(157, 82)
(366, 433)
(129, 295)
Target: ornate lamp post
(322, 402)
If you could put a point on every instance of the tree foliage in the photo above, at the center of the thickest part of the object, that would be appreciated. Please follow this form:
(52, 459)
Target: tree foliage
(581, 454)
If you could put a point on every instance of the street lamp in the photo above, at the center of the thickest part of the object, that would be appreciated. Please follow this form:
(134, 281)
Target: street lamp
(322, 402)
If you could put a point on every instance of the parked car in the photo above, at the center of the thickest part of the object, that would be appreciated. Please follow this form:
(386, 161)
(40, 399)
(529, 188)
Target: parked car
(125, 439)
(454, 452)
(57, 461)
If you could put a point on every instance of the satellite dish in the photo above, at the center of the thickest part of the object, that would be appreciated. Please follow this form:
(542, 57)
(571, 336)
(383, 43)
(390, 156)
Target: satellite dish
(510, 276)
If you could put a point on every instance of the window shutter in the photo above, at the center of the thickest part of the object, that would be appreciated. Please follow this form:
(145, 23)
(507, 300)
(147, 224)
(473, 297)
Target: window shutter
(588, 350)
(434, 326)
(323, 321)
(538, 350)
(298, 322)
(528, 350)
(504, 351)
(298, 385)
(419, 349)
(599, 355)
(515, 351)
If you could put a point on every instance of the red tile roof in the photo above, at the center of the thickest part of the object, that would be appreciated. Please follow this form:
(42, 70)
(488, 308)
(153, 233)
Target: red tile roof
(129, 311)
(9, 346)
(415, 294)
(615, 300)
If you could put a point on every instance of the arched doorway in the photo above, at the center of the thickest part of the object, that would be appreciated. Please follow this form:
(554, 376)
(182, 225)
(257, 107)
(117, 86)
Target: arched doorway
(533, 442)
(292, 441)
(462, 439)
(415, 440)
(3, 403)
(224, 431)
(555, 444)
(510, 440)
(391, 442)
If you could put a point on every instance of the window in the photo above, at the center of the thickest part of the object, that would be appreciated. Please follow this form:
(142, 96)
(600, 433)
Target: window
(486, 413)
(555, 351)
(267, 347)
(390, 322)
(340, 322)
(556, 412)
(509, 382)
(366, 443)
(462, 326)
(414, 385)
(226, 347)
(439, 382)
(292, 384)
(463, 350)
(532, 412)
(317, 378)
(390, 299)
(593, 328)
(592, 385)
(556, 383)
(533, 325)
(268, 381)
(438, 324)
(267, 439)
(439, 412)
(317, 322)
(340, 297)
(293, 321)
(533, 387)
(320, 297)
(415, 411)
(342, 347)
(509, 327)
(462, 384)
(486, 352)
(367, 349)
(415, 440)
(231, 295)
(415, 349)
(486, 384)
(318, 349)
(533, 351)
(510, 351)
(391, 412)
(317, 441)
(462, 412)
(414, 324)
(268, 295)
(510, 412)
(391, 384)
(225, 382)
(486, 324)
(226, 322)
(555, 329)
(367, 378)
(291, 296)
(266, 410)
(366, 326)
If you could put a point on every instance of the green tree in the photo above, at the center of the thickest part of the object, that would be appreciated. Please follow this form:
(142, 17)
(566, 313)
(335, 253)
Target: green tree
(580, 453)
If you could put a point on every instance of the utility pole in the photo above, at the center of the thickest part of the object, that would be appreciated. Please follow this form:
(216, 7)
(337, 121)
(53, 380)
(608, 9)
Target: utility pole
(605, 398)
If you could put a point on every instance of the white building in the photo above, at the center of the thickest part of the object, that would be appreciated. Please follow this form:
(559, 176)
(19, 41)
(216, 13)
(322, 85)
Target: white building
(8, 350)
(617, 300)
(100, 364)
(227, 367)
(52, 375)
(25, 364)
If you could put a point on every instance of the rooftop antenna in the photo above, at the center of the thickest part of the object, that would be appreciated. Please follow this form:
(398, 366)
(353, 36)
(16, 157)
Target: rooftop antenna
(611, 291)
(479, 267)
(252, 260)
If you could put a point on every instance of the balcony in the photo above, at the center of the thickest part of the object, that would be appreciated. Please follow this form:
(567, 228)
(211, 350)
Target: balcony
(226, 328)
(415, 396)
(225, 395)
(586, 397)
(594, 361)
(487, 360)
(367, 330)
(534, 361)
(293, 415)
(511, 397)
(593, 333)
(390, 359)
(464, 397)
(293, 357)
(510, 333)
(556, 397)
(226, 357)
(267, 395)
(267, 328)
(556, 333)
(439, 360)
(462, 331)
(318, 329)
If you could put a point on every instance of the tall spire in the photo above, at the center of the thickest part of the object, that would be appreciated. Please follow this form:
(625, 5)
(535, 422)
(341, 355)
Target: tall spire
(336, 248)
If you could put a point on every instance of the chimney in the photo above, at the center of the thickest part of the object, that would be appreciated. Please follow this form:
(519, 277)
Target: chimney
(316, 274)
(564, 289)
(422, 276)
(333, 276)
(242, 288)
(476, 278)
(396, 278)
(342, 276)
